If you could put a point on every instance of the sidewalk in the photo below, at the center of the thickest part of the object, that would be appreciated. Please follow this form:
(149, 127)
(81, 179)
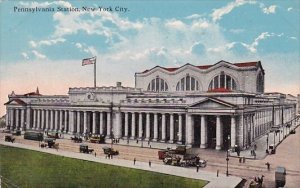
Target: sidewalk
(262, 144)
(214, 182)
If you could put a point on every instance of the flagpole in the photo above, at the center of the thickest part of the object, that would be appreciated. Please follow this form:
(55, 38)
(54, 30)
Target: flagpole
(95, 71)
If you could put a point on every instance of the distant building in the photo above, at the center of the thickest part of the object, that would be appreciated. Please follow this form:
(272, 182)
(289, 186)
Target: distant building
(213, 106)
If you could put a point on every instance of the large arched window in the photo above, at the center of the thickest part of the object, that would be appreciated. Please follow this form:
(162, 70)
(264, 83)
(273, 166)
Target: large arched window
(187, 83)
(260, 83)
(157, 84)
(222, 81)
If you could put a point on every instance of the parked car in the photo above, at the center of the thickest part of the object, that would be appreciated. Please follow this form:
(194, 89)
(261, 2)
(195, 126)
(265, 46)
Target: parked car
(17, 133)
(31, 135)
(97, 139)
(9, 138)
(76, 139)
(280, 173)
(83, 148)
(110, 151)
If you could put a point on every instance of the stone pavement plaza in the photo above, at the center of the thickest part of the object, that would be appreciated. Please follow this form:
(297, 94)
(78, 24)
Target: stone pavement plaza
(214, 182)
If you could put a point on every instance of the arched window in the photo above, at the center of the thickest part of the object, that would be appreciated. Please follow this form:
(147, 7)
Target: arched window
(222, 81)
(157, 85)
(187, 83)
(260, 83)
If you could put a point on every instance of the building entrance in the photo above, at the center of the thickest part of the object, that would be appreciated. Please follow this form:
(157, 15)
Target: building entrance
(211, 132)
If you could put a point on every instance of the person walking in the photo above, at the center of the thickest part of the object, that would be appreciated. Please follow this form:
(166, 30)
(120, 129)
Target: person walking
(268, 165)
(149, 163)
(217, 173)
(197, 168)
(95, 154)
(134, 161)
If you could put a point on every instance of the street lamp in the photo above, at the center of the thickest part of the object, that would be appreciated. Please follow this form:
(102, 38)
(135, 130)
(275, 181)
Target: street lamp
(227, 158)
(267, 141)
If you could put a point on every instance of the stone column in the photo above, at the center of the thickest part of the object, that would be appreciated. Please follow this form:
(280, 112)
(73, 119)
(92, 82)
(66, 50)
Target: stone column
(51, 120)
(179, 129)
(188, 129)
(118, 124)
(147, 126)
(39, 124)
(203, 132)
(22, 120)
(17, 119)
(43, 120)
(60, 120)
(132, 125)
(94, 122)
(34, 119)
(163, 127)
(108, 130)
(56, 120)
(85, 122)
(78, 122)
(12, 119)
(155, 127)
(233, 131)
(47, 120)
(126, 125)
(219, 133)
(171, 128)
(71, 122)
(28, 118)
(65, 125)
(7, 118)
(140, 126)
(101, 123)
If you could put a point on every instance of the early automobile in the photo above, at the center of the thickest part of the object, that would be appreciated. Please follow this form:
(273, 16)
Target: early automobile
(9, 138)
(84, 148)
(76, 139)
(97, 139)
(280, 173)
(32, 135)
(52, 135)
(110, 151)
(50, 142)
(17, 133)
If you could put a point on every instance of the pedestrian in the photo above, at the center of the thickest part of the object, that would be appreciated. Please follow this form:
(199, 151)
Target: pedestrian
(197, 168)
(217, 173)
(268, 165)
(95, 154)
(108, 156)
(137, 141)
(254, 154)
(134, 161)
(255, 146)
(149, 163)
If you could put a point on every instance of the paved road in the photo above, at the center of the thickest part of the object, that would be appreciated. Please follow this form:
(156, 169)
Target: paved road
(287, 154)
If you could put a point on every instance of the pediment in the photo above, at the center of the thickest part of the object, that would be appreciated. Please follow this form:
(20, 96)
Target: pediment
(212, 103)
(15, 102)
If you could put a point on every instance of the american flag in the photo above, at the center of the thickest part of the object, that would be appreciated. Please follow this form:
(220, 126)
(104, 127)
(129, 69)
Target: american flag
(89, 61)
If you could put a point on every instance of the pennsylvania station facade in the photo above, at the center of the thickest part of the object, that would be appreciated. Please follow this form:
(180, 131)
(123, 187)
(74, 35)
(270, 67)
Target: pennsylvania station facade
(214, 106)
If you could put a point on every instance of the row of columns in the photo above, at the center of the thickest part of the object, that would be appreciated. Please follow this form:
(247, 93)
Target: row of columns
(155, 126)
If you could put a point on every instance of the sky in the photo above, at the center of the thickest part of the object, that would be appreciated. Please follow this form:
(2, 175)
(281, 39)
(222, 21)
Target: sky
(44, 49)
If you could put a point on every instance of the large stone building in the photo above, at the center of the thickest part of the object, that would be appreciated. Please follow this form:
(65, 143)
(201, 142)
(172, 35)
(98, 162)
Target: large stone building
(214, 106)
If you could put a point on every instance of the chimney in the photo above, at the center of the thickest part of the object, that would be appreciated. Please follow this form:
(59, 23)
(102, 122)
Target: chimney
(119, 84)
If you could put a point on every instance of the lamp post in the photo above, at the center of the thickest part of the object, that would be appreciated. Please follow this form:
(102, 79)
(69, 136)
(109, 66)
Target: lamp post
(142, 139)
(267, 141)
(227, 157)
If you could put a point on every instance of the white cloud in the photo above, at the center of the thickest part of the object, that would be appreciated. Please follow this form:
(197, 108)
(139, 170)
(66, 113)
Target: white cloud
(200, 25)
(175, 24)
(294, 38)
(193, 16)
(290, 9)
(38, 55)
(24, 55)
(50, 42)
(78, 45)
(34, 4)
(270, 10)
(219, 13)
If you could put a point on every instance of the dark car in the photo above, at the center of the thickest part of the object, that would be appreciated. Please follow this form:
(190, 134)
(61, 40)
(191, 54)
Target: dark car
(9, 138)
(83, 148)
(110, 151)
